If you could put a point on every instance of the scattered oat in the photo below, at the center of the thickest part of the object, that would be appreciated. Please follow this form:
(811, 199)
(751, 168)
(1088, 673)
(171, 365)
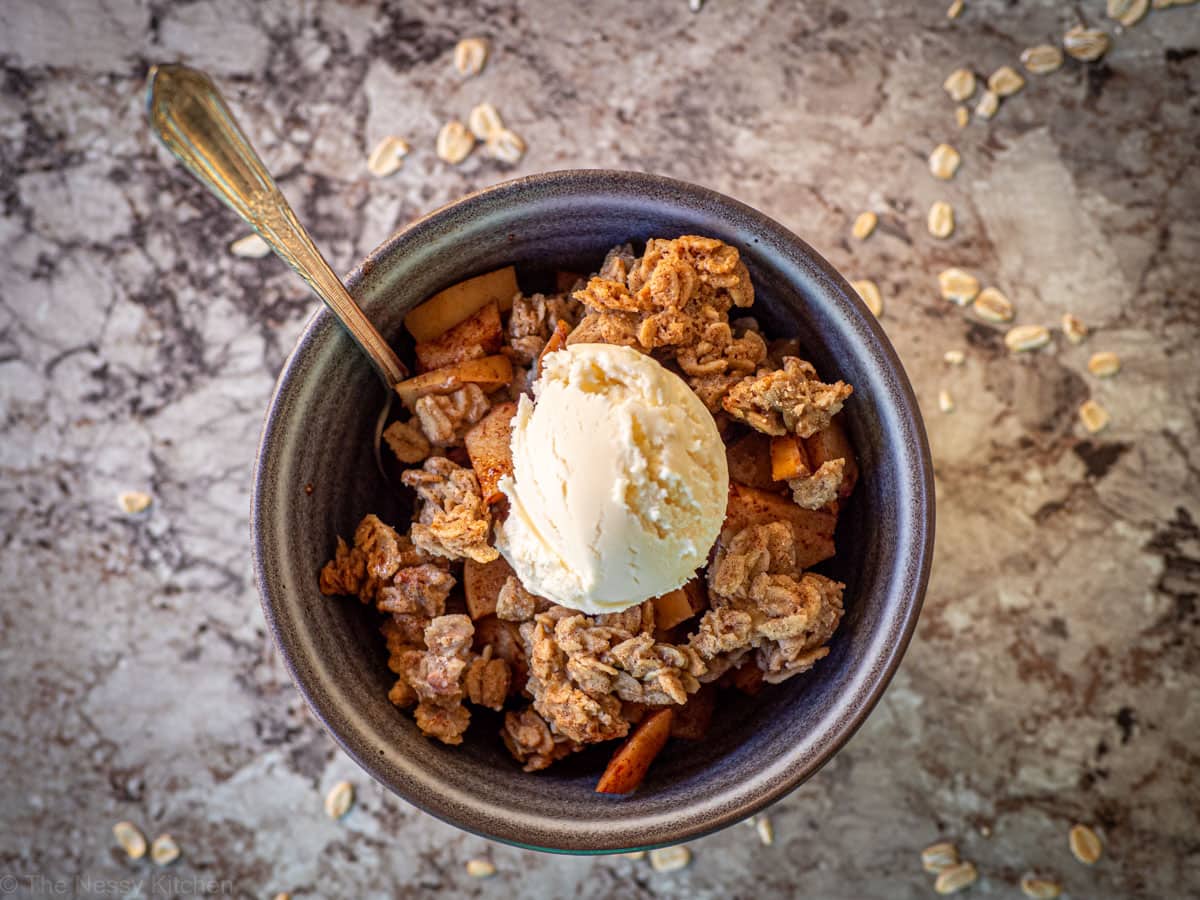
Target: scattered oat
(480, 868)
(958, 286)
(470, 55)
(944, 162)
(283, 895)
(1073, 328)
(766, 831)
(695, 5)
(131, 839)
(388, 156)
(869, 291)
(1087, 44)
(670, 859)
(962, 116)
(864, 225)
(506, 146)
(134, 502)
(1042, 59)
(252, 246)
(988, 103)
(941, 219)
(1026, 337)
(955, 9)
(1104, 364)
(1094, 418)
(339, 800)
(1040, 888)
(1005, 81)
(960, 84)
(1128, 12)
(635, 854)
(164, 850)
(454, 142)
(993, 306)
(955, 878)
(945, 401)
(954, 357)
(1085, 844)
(940, 856)
(484, 121)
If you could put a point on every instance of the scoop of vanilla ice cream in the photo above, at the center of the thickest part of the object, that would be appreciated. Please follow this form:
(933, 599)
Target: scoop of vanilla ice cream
(619, 481)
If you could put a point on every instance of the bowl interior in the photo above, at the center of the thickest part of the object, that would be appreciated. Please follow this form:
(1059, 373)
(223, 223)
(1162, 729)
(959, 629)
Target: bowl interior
(317, 478)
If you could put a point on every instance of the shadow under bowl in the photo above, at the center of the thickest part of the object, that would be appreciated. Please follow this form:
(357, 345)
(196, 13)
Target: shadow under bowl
(316, 477)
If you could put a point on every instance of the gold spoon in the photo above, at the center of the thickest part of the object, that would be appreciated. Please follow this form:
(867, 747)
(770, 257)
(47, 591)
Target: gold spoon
(191, 118)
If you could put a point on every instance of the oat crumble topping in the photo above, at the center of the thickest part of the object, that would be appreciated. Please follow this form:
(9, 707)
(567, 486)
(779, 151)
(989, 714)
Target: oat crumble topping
(564, 679)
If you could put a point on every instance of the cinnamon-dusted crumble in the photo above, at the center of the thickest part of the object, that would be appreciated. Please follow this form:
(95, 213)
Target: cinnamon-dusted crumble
(563, 679)
(791, 400)
(454, 522)
(445, 418)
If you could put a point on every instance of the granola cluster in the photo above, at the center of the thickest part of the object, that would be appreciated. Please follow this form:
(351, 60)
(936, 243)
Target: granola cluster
(454, 522)
(532, 322)
(762, 602)
(563, 679)
(790, 400)
(674, 302)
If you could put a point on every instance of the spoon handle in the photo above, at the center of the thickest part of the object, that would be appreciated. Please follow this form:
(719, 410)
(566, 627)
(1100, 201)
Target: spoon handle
(190, 117)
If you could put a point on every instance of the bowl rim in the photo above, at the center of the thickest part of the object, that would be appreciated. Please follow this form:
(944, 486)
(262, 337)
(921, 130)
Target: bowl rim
(882, 666)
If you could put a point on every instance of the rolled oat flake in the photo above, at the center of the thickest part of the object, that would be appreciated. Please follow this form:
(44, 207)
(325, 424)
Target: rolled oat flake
(956, 878)
(454, 142)
(670, 859)
(1040, 888)
(1083, 840)
(944, 162)
(252, 246)
(766, 831)
(339, 799)
(864, 225)
(1085, 843)
(1005, 81)
(1042, 59)
(1087, 44)
(131, 839)
(939, 856)
(470, 55)
(993, 306)
(1026, 337)
(480, 868)
(164, 850)
(1128, 12)
(1073, 328)
(484, 121)
(989, 103)
(506, 146)
(941, 219)
(958, 286)
(869, 292)
(960, 84)
(388, 156)
(1104, 364)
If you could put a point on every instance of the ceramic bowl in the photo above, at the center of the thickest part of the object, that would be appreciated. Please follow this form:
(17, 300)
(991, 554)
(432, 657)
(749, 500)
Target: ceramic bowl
(316, 478)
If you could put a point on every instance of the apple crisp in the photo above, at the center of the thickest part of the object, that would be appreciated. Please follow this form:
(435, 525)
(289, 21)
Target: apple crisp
(463, 633)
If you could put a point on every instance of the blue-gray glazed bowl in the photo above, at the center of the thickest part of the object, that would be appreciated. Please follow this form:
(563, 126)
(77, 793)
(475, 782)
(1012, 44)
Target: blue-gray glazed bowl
(316, 478)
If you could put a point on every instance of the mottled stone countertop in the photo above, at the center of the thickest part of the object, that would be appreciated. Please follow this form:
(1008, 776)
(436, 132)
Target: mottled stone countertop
(1054, 676)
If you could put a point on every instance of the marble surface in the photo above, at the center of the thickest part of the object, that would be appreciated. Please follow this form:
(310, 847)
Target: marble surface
(1054, 674)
